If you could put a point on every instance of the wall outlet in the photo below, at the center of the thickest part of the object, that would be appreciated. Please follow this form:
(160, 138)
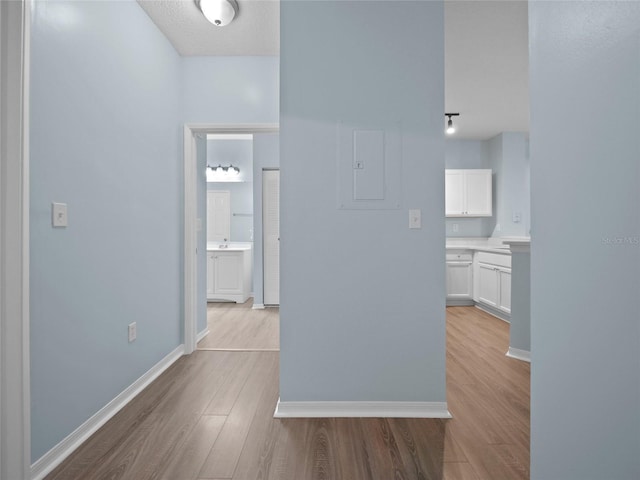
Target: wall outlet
(456, 227)
(132, 332)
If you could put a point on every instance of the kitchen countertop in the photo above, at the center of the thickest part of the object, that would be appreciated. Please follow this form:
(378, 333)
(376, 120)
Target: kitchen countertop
(493, 245)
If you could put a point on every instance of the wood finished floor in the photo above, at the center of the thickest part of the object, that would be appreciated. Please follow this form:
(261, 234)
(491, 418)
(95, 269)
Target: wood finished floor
(210, 416)
(234, 326)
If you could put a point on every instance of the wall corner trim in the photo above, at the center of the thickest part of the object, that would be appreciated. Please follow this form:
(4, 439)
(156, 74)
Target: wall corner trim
(518, 354)
(201, 335)
(62, 450)
(362, 409)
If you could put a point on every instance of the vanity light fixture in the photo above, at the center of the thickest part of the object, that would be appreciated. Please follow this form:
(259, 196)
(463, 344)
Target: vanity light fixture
(450, 127)
(218, 12)
(222, 174)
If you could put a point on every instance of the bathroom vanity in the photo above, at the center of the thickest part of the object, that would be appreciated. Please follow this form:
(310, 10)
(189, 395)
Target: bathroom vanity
(228, 272)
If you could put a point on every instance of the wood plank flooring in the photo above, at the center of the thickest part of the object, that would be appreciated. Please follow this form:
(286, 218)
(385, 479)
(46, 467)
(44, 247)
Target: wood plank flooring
(234, 326)
(210, 416)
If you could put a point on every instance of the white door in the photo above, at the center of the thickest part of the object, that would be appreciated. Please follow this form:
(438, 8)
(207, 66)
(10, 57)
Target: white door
(488, 285)
(218, 215)
(271, 236)
(504, 278)
(459, 280)
(478, 192)
(454, 193)
(228, 273)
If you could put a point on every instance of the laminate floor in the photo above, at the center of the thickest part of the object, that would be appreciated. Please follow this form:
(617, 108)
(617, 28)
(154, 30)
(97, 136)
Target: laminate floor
(234, 326)
(210, 416)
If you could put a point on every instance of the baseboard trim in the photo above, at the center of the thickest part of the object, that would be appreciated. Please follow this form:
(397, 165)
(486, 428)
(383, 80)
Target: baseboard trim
(524, 355)
(201, 335)
(494, 311)
(258, 306)
(361, 409)
(50, 460)
(460, 302)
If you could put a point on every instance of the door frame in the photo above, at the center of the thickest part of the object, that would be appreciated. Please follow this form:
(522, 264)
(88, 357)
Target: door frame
(15, 399)
(190, 234)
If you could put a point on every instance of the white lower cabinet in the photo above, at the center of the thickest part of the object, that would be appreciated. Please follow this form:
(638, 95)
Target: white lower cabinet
(228, 275)
(493, 281)
(459, 278)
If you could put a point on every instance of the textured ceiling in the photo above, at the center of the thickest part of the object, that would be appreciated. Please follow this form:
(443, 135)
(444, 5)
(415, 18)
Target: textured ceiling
(254, 31)
(486, 53)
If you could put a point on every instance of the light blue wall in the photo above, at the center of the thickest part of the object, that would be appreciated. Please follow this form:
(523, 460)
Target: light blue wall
(585, 251)
(105, 139)
(362, 296)
(509, 161)
(240, 154)
(520, 317)
(266, 154)
(468, 154)
(231, 89)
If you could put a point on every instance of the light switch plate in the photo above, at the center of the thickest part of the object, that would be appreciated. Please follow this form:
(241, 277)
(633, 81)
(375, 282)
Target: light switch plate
(415, 218)
(59, 215)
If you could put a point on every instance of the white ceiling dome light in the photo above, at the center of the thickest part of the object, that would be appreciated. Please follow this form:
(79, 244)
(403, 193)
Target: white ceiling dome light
(218, 12)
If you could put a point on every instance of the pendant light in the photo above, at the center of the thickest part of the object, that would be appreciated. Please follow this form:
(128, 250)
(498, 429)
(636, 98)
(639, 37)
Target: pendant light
(218, 12)
(451, 129)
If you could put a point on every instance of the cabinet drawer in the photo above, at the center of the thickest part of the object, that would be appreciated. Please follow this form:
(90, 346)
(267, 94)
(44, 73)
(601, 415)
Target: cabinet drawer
(459, 256)
(494, 259)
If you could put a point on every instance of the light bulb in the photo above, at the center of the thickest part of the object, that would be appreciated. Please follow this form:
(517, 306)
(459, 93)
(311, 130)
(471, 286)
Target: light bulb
(450, 128)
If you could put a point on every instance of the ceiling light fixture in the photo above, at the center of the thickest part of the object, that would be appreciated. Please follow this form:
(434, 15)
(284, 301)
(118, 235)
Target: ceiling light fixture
(450, 127)
(218, 12)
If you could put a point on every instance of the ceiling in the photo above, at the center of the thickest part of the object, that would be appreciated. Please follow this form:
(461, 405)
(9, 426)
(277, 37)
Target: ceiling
(486, 53)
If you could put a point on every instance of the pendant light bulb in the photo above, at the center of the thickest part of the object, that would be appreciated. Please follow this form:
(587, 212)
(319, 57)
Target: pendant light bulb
(451, 129)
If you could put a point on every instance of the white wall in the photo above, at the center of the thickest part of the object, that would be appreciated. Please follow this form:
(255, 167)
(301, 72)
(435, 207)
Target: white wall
(362, 296)
(585, 250)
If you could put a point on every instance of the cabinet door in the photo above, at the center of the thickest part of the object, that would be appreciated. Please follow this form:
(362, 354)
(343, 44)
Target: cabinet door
(211, 267)
(228, 273)
(488, 284)
(458, 280)
(504, 279)
(478, 193)
(454, 193)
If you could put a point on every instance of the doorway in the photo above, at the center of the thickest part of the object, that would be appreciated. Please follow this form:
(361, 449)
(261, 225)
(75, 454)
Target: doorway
(192, 254)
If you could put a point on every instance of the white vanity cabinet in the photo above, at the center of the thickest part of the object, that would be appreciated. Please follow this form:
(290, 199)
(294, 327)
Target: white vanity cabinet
(468, 193)
(459, 277)
(492, 286)
(228, 274)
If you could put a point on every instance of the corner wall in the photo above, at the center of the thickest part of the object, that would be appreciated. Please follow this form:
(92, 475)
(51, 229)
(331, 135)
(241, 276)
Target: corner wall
(363, 296)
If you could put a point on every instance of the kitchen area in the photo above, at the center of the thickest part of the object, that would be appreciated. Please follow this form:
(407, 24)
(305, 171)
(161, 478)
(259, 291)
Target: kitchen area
(488, 223)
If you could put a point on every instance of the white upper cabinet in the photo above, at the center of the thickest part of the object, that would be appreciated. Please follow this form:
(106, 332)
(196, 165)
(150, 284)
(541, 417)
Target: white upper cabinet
(468, 193)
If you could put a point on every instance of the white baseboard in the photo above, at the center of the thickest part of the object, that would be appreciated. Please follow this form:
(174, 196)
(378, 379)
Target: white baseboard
(202, 334)
(258, 306)
(362, 409)
(62, 450)
(518, 354)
